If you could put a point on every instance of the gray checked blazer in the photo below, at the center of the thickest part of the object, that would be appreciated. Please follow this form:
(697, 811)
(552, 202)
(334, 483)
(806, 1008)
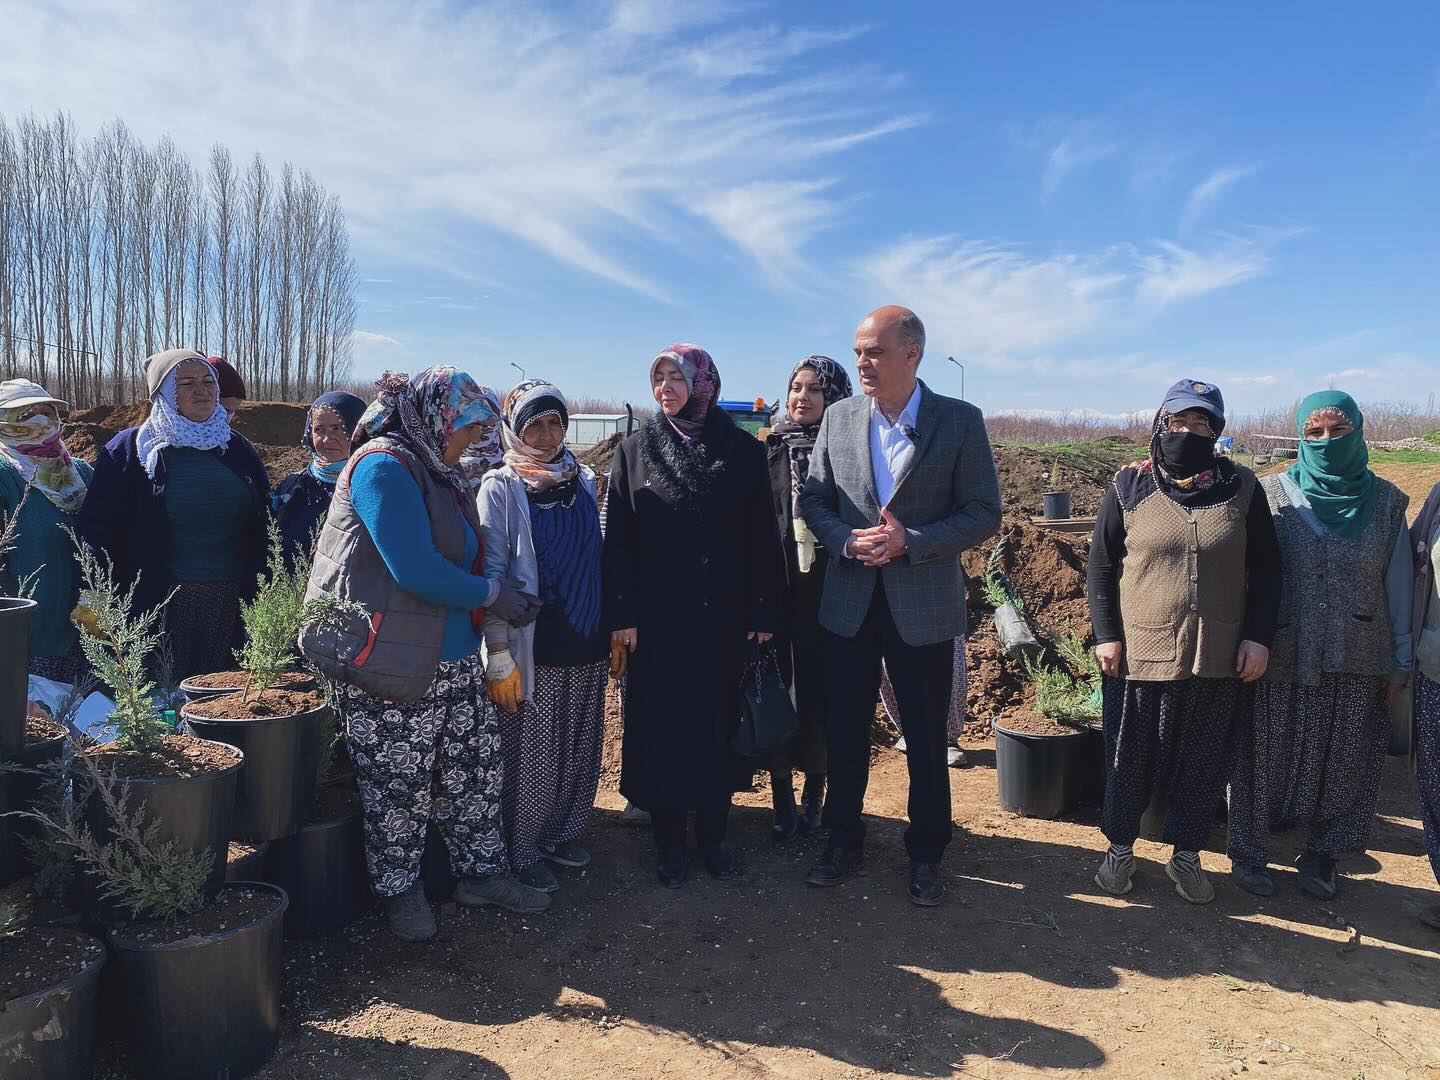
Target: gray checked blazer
(948, 500)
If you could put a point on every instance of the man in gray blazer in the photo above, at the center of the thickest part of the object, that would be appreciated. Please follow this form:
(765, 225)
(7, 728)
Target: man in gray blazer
(901, 482)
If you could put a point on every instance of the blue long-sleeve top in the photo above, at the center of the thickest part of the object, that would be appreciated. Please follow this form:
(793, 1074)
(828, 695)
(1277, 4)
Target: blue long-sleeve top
(389, 502)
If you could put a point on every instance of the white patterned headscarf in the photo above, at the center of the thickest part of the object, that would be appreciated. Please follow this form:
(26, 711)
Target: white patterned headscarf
(167, 426)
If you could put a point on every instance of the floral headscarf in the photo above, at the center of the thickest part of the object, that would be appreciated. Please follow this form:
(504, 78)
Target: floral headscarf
(424, 411)
(528, 402)
(480, 457)
(30, 441)
(347, 408)
(167, 426)
(702, 378)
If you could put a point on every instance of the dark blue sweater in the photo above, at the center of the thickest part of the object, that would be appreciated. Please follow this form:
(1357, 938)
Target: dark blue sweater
(124, 516)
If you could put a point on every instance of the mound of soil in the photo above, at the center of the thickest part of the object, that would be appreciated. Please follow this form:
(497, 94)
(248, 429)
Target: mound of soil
(275, 427)
(176, 756)
(1085, 472)
(261, 705)
(42, 729)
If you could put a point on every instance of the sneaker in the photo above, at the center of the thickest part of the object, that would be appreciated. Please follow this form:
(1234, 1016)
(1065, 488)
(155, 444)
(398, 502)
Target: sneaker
(409, 914)
(1190, 880)
(926, 884)
(502, 891)
(955, 757)
(1317, 875)
(633, 815)
(538, 876)
(1255, 880)
(900, 744)
(670, 868)
(1430, 916)
(567, 854)
(1115, 873)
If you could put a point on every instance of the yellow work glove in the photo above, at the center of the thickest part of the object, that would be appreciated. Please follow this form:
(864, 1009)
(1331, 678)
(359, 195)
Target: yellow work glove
(619, 658)
(85, 619)
(503, 682)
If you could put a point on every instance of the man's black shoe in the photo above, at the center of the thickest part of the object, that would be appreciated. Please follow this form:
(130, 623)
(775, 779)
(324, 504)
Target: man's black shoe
(721, 864)
(671, 868)
(926, 885)
(835, 867)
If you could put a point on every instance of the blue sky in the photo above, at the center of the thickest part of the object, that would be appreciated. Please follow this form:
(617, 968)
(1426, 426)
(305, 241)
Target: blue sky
(1083, 202)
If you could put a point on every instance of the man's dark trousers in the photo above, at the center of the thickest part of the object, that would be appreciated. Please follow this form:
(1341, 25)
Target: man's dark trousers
(922, 677)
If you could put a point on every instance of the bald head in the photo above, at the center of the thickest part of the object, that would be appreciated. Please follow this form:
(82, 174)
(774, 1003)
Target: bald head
(889, 343)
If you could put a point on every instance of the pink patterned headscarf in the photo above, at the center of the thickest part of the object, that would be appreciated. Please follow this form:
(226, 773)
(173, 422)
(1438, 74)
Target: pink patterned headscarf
(702, 378)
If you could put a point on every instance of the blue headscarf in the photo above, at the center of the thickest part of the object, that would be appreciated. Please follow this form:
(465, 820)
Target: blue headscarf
(349, 409)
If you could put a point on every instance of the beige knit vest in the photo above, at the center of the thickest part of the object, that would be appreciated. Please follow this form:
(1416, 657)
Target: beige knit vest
(1182, 589)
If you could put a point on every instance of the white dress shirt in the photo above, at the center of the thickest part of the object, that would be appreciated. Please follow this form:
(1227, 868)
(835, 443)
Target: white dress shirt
(892, 450)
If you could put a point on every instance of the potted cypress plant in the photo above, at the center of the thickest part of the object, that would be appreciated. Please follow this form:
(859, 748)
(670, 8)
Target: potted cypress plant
(49, 990)
(277, 727)
(1047, 762)
(195, 976)
(184, 784)
(1056, 501)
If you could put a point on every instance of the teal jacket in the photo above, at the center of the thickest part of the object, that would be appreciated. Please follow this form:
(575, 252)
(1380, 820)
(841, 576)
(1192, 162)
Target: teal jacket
(42, 545)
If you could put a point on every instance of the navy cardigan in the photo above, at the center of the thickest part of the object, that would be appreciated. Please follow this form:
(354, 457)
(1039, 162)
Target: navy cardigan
(124, 516)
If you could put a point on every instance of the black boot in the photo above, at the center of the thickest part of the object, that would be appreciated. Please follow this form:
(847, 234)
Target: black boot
(720, 863)
(782, 796)
(812, 803)
(670, 868)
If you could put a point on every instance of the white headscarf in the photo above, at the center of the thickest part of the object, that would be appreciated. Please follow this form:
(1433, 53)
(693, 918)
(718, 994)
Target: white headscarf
(167, 426)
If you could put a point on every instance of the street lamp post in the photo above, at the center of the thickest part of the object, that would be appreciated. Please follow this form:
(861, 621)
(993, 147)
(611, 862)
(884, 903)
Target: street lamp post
(962, 375)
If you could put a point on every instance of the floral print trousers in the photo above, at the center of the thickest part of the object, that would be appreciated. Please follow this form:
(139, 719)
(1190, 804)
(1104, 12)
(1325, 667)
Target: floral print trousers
(437, 759)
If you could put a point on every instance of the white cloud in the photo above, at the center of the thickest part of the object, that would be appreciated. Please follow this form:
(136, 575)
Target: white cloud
(1206, 193)
(1067, 147)
(570, 129)
(1262, 380)
(368, 339)
(1403, 375)
(997, 303)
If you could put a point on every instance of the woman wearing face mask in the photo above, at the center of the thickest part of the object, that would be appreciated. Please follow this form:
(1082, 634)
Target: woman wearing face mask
(693, 575)
(37, 470)
(303, 498)
(815, 383)
(1184, 582)
(180, 503)
(542, 528)
(402, 539)
(1425, 717)
(1343, 649)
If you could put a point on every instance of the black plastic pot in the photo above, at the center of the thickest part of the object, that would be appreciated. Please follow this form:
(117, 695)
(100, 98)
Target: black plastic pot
(51, 1035)
(322, 869)
(1057, 505)
(200, 693)
(1044, 776)
(276, 791)
(20, 791)
(206, 1008)
(196, 811)
(249, 868)
(15, 615)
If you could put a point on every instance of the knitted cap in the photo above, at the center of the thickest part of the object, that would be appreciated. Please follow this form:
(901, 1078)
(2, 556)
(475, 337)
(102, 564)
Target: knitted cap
(162, 363)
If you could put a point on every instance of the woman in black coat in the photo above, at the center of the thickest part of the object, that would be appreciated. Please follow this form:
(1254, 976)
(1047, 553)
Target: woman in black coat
(816, 383)
(693, 574)
(303, 499)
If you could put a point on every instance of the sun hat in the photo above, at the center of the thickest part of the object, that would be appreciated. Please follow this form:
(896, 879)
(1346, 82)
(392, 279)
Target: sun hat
(17, 393)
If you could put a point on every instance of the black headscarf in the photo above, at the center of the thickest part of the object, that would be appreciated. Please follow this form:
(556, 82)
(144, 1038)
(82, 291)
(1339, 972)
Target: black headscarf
(1186, 467)
(799, 439)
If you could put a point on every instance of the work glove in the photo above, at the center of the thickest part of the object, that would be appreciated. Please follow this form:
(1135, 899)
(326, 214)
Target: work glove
(515, 607)
(619, 659)
(502, 681)
(85, 619)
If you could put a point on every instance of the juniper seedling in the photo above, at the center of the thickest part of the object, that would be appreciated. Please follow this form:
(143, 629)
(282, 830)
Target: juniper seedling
(117, 649)
(1060, 698)
(9, 530)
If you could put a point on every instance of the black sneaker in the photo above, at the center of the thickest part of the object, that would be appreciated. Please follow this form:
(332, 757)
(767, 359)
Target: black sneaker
(835, 867)
(1317, 875)
(567, 854)
(926, 885)
(671, 869)
(1255, 880)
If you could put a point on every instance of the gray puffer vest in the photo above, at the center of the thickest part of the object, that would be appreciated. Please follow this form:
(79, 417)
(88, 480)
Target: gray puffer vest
(392, 655)
(1334, 617)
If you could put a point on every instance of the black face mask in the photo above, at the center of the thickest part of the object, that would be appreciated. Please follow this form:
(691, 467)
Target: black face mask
(1184, 453)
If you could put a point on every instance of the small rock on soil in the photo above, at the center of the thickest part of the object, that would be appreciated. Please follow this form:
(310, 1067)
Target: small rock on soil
(40, 958)
(233, 908)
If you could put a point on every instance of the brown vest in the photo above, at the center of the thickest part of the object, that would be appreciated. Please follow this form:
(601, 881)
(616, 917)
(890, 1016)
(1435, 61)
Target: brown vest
(394, 653)
(1182, 587)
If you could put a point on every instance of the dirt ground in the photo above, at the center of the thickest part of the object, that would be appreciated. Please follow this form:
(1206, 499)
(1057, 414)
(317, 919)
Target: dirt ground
(1026, 969)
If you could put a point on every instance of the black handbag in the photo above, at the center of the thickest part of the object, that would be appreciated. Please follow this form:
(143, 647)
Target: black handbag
(767, 715)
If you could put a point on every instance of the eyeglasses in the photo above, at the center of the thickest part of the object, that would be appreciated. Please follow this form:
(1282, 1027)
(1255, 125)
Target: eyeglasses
(1194, 427)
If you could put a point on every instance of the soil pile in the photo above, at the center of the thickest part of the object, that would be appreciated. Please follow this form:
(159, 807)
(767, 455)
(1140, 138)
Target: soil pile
(1085, 470)
(275, 427)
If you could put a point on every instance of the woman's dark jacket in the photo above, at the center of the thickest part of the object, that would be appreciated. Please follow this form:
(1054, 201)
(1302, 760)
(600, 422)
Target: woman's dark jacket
(301, 503)
(124, 516)
(693, 580)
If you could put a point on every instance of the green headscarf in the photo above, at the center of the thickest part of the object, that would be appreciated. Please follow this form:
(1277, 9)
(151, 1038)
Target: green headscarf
(1335, 474)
